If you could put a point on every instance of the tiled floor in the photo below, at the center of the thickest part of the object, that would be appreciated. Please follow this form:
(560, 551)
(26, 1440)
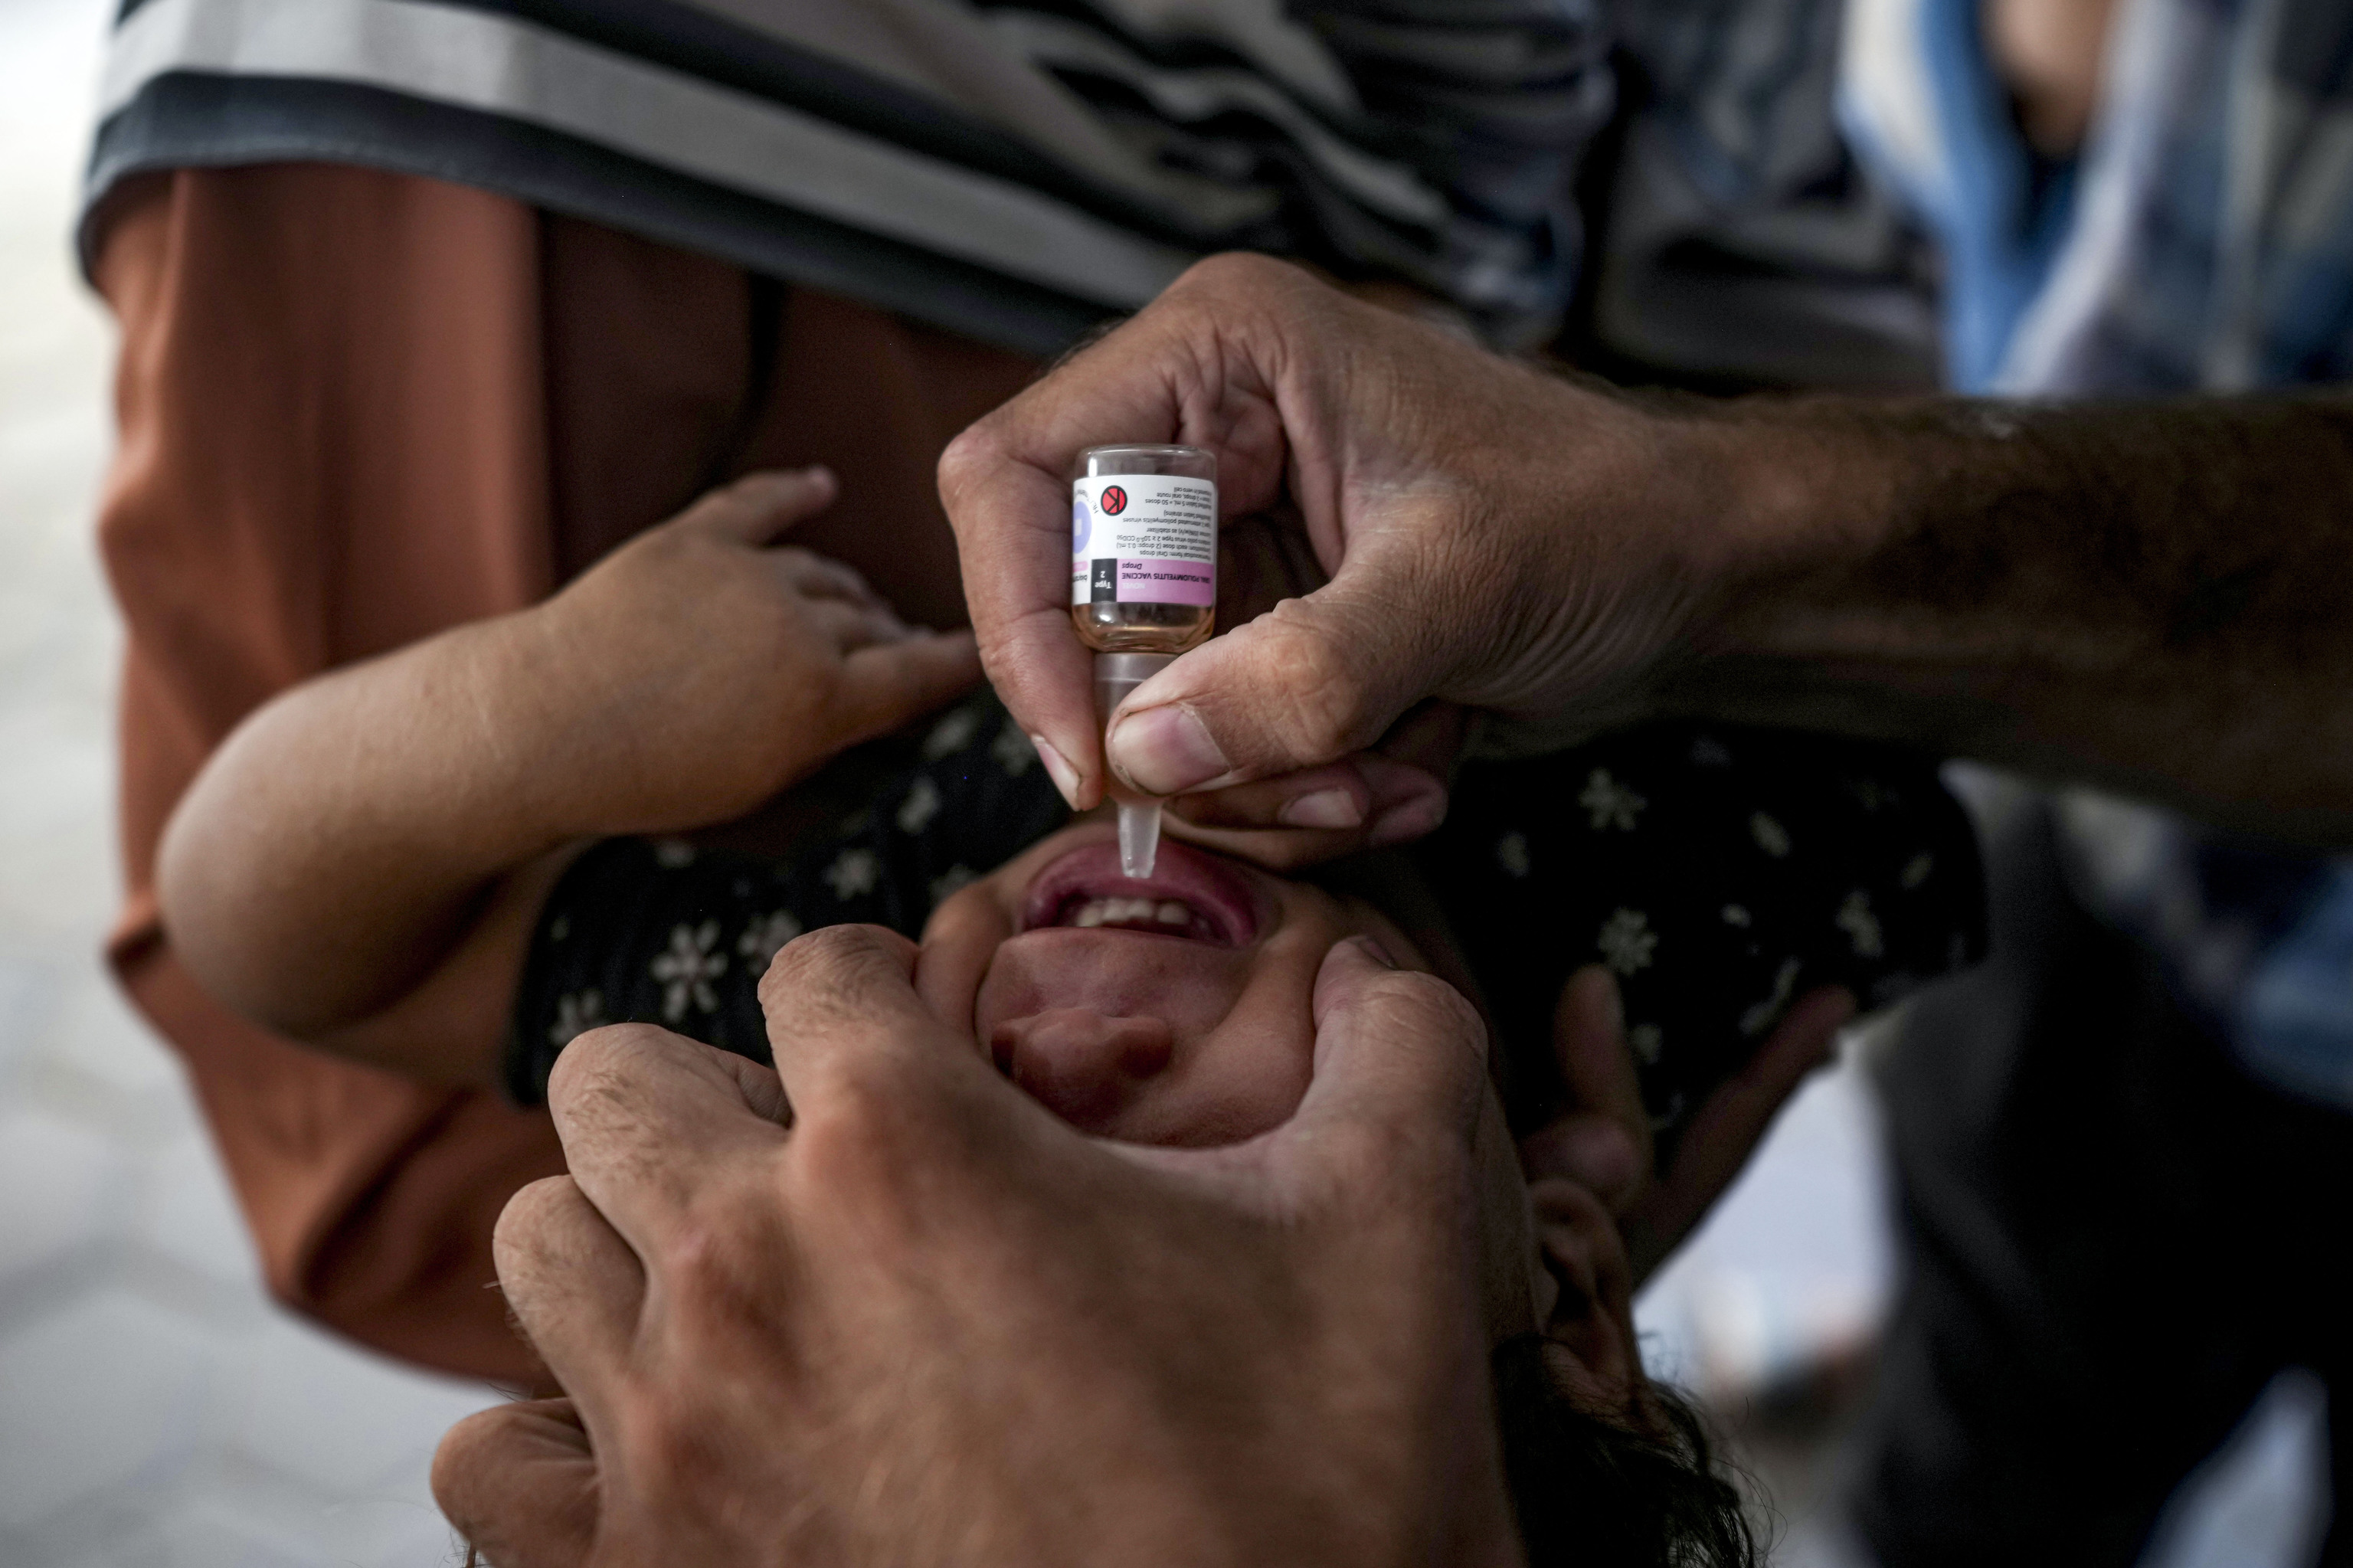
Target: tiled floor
(154, 1409)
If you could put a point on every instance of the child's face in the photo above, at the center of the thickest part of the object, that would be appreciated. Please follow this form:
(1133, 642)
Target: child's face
(1179, 1010)
(1171, 1011)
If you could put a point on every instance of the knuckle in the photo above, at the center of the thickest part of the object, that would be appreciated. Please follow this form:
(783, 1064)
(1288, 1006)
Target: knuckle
(672, 1452)
(527, 1216)
(712, 1255)
(1238, 271)
(976, 452)
(459, 1464)
(598, 1064)
(1321, 697)
(831, 974)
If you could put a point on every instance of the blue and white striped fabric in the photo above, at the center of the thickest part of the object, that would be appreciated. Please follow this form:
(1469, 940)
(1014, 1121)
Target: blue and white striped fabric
(2203, 242)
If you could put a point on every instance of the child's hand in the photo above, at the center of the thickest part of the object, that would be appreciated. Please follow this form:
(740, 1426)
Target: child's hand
(700, 668)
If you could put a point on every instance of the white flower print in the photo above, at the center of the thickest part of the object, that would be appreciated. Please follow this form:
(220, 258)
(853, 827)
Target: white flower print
(1609, 803)
(559, 927)
(853, 872)
(763, 936)
(949, 881)
(672, 854)
(1917, 871)
(1856, 918)
(950, 734)
(1013, 751)
(1735, 915)
(921, 804)
(1771, 836)
(687, 970)
(1767, 1012)
(1626, 942)
(575, 1015)
(1511, 854)
(1645, 1041)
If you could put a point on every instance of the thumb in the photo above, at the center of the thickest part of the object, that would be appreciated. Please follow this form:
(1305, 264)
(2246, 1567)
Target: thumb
(1308, 682)
(1399, 1079)
(758, 507)
(887, 684)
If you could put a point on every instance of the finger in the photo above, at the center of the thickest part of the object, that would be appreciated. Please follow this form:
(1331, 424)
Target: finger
(841, 1004)
(1602, 1139)
(758, 507)
(1367, 801)
(1717, 1144)
(1304, 684)
(850, 626)
(519, 1482)
(893, 684)
(649, 1120)
(813, 576)
(1398, 1083)
(572, 1284)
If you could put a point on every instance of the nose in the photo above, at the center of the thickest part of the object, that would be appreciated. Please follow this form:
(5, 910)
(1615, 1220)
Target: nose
(1079, 1065)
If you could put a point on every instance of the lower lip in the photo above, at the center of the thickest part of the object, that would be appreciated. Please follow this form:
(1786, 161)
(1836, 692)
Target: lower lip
(1216, 890)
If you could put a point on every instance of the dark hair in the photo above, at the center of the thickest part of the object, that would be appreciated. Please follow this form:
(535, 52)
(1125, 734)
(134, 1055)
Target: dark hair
(1589, 1488)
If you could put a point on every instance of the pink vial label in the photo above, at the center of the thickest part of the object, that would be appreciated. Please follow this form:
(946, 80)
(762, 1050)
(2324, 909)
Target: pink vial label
(1166, 582)
(1143, 538)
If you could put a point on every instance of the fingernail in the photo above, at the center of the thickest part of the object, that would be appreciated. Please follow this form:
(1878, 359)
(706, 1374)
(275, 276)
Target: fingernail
(1164, 751)
(1375, 951)
(1321, 808)
(1408, 820)
(1058, 769)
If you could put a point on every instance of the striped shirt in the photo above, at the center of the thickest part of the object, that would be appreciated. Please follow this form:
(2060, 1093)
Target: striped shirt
(1013, 172)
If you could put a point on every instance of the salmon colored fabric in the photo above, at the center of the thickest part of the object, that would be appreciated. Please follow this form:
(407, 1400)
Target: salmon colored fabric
(357, 408)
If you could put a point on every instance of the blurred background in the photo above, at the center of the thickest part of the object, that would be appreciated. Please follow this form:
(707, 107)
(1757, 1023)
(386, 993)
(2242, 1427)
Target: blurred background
(156, 1408)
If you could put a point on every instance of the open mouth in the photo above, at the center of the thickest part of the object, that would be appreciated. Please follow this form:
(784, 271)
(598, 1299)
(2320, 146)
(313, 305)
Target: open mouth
(1190, 896)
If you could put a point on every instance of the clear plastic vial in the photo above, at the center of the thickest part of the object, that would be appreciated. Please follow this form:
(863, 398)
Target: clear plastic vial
(1143, 585)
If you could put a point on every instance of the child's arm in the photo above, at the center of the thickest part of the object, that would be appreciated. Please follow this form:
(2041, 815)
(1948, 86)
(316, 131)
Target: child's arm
(373, 846)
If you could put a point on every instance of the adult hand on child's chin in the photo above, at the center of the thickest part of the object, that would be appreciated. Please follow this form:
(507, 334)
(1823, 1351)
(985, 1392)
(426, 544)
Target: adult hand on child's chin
(1602, 1140)
(915, 1318)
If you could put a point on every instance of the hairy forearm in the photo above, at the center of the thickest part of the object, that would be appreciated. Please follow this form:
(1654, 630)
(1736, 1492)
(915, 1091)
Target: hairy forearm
(2149, 597)
(349, 836)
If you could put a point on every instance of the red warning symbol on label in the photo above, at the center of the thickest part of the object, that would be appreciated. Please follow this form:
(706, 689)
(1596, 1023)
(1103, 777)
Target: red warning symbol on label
(1113, 500)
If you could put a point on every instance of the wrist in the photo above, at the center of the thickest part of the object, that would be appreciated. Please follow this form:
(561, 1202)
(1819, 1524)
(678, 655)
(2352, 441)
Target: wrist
(534, 788)
(1783, 504)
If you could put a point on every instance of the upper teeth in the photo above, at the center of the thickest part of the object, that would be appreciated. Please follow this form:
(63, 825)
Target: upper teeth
(1134, 911)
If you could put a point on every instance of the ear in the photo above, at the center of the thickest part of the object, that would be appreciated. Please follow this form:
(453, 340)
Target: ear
(1590, 1331)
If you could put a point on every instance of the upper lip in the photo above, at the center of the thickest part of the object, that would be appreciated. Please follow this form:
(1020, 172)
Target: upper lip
(1216, 892)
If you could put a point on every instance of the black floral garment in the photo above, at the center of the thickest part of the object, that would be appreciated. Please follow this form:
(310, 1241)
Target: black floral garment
(1720, 872)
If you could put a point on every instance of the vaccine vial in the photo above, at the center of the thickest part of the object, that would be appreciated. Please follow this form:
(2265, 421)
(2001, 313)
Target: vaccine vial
(1143, 586)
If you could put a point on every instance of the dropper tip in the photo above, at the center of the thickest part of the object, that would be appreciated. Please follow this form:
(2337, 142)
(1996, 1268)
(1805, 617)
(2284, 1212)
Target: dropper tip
(1139, 837)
